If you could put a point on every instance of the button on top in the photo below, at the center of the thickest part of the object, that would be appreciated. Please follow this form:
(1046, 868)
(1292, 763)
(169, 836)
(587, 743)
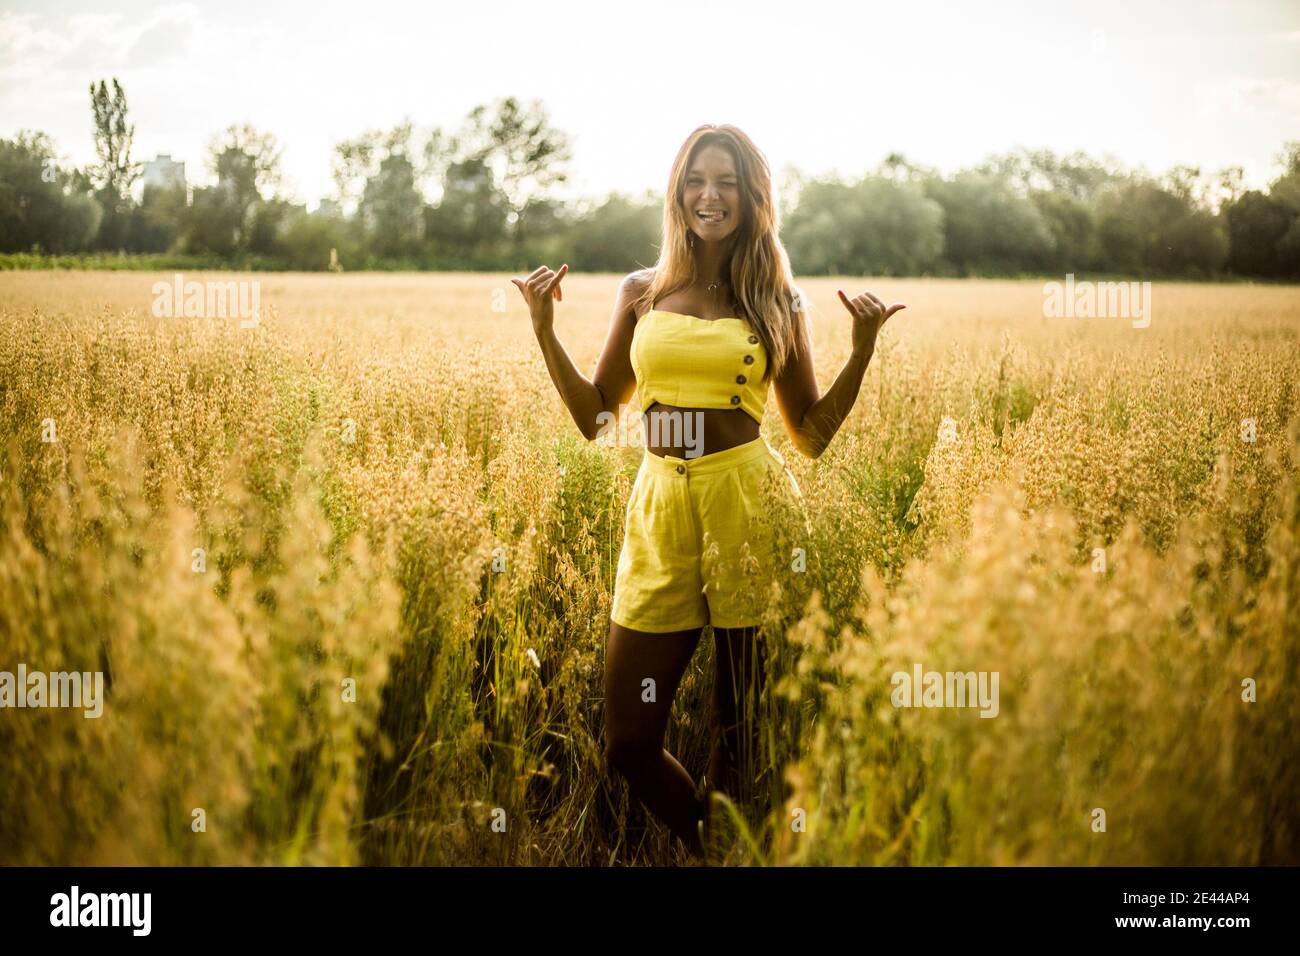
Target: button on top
(753, 340)
(735, 399)
(749, 360)
(681, 469)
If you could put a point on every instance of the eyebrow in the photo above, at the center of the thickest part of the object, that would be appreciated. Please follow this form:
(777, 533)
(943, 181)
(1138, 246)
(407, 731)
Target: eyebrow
(696, 172)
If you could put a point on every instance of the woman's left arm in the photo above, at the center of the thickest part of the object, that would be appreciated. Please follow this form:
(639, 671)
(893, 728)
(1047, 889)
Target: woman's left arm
(813, 419)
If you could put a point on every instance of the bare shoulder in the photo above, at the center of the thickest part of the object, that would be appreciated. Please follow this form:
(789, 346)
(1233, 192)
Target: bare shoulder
(631, 289)
(637, 282)
(640, 277)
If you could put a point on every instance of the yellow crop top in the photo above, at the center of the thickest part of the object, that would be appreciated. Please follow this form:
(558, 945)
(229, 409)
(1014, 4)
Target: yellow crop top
(691, 362)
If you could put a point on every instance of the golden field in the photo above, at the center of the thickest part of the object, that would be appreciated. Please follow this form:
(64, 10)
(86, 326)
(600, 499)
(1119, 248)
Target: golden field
(393, 651)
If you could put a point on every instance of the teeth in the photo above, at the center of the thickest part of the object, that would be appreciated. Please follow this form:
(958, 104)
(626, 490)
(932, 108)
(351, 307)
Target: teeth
(715, 216)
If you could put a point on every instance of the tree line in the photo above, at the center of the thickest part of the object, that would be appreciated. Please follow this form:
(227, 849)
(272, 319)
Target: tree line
(483, 197)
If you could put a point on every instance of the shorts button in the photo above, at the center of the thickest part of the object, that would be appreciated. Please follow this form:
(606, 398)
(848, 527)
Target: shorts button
(749, 360)
(740, 380)
(681, 469)
(735, 399)
(753, 340)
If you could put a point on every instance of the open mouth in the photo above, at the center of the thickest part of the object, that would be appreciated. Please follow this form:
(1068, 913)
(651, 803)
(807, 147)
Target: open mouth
(711, 215)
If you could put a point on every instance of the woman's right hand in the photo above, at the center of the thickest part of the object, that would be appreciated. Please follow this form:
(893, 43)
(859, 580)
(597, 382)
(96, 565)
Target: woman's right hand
(541, 290)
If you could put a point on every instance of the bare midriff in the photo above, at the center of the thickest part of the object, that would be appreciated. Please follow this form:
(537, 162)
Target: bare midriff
(687, 432)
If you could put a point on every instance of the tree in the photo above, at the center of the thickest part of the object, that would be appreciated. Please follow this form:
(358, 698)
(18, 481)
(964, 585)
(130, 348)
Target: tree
(990, 224)
(356, 161)
(1227, 187)
(878, 226)
(391, 208)
(43, 204)
(541, 222)
(307, 240)
(897, 168)
(618, 234)
(267, 225)
(156, 223)
(1041, 171)
(1265, 228)
(1286, 188)
(471, 217)
(1257, 224)
(114, 173)
(524, 153)
(222, 219)
(384, 174)
(247, 157)
(213, 224)
(352, 164)
(1073, 227)
(1145, 227)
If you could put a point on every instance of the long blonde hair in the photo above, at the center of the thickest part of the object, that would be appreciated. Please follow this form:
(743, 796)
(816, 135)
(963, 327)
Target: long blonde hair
(760, 268)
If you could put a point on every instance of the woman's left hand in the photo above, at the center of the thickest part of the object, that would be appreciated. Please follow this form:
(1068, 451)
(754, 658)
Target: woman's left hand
(869, 315)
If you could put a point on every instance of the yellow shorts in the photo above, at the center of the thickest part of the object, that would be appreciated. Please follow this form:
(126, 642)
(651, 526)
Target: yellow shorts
(698, 546)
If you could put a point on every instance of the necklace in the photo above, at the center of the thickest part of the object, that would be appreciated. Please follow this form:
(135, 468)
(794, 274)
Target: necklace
(712, 287)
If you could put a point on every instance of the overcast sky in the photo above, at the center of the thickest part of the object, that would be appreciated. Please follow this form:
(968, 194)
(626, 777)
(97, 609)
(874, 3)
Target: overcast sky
(824, 86)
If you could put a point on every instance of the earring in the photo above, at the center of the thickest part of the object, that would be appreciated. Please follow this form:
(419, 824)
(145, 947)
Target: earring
(690, 239)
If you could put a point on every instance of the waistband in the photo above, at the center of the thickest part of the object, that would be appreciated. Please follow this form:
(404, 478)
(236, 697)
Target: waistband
(709, 464)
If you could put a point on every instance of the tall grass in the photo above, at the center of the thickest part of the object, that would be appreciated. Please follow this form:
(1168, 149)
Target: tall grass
(393, 654)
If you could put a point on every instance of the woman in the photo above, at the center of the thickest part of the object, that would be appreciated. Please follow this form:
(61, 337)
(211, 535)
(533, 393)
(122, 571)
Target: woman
(700, 337)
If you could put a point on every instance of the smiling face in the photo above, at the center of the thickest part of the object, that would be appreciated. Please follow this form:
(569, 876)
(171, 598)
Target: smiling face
(711, 198)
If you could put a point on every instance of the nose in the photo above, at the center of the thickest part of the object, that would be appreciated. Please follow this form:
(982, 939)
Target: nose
(710, 192)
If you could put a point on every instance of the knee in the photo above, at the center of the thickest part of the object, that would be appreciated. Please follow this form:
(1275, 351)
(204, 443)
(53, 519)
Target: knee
(626, 754)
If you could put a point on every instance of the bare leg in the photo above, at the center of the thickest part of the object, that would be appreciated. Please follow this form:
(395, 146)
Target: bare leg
(636, 720)
(738, 680)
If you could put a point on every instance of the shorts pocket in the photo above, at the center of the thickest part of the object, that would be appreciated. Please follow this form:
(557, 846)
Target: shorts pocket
(752, 528)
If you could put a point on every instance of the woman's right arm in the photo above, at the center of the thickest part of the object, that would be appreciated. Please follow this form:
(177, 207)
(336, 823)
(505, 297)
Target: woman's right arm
(590, 402)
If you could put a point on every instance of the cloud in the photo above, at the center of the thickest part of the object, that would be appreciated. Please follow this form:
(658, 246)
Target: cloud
(41, 52)
(27, 51)
(1271, 98)
(1269, 95)
(166, 37)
